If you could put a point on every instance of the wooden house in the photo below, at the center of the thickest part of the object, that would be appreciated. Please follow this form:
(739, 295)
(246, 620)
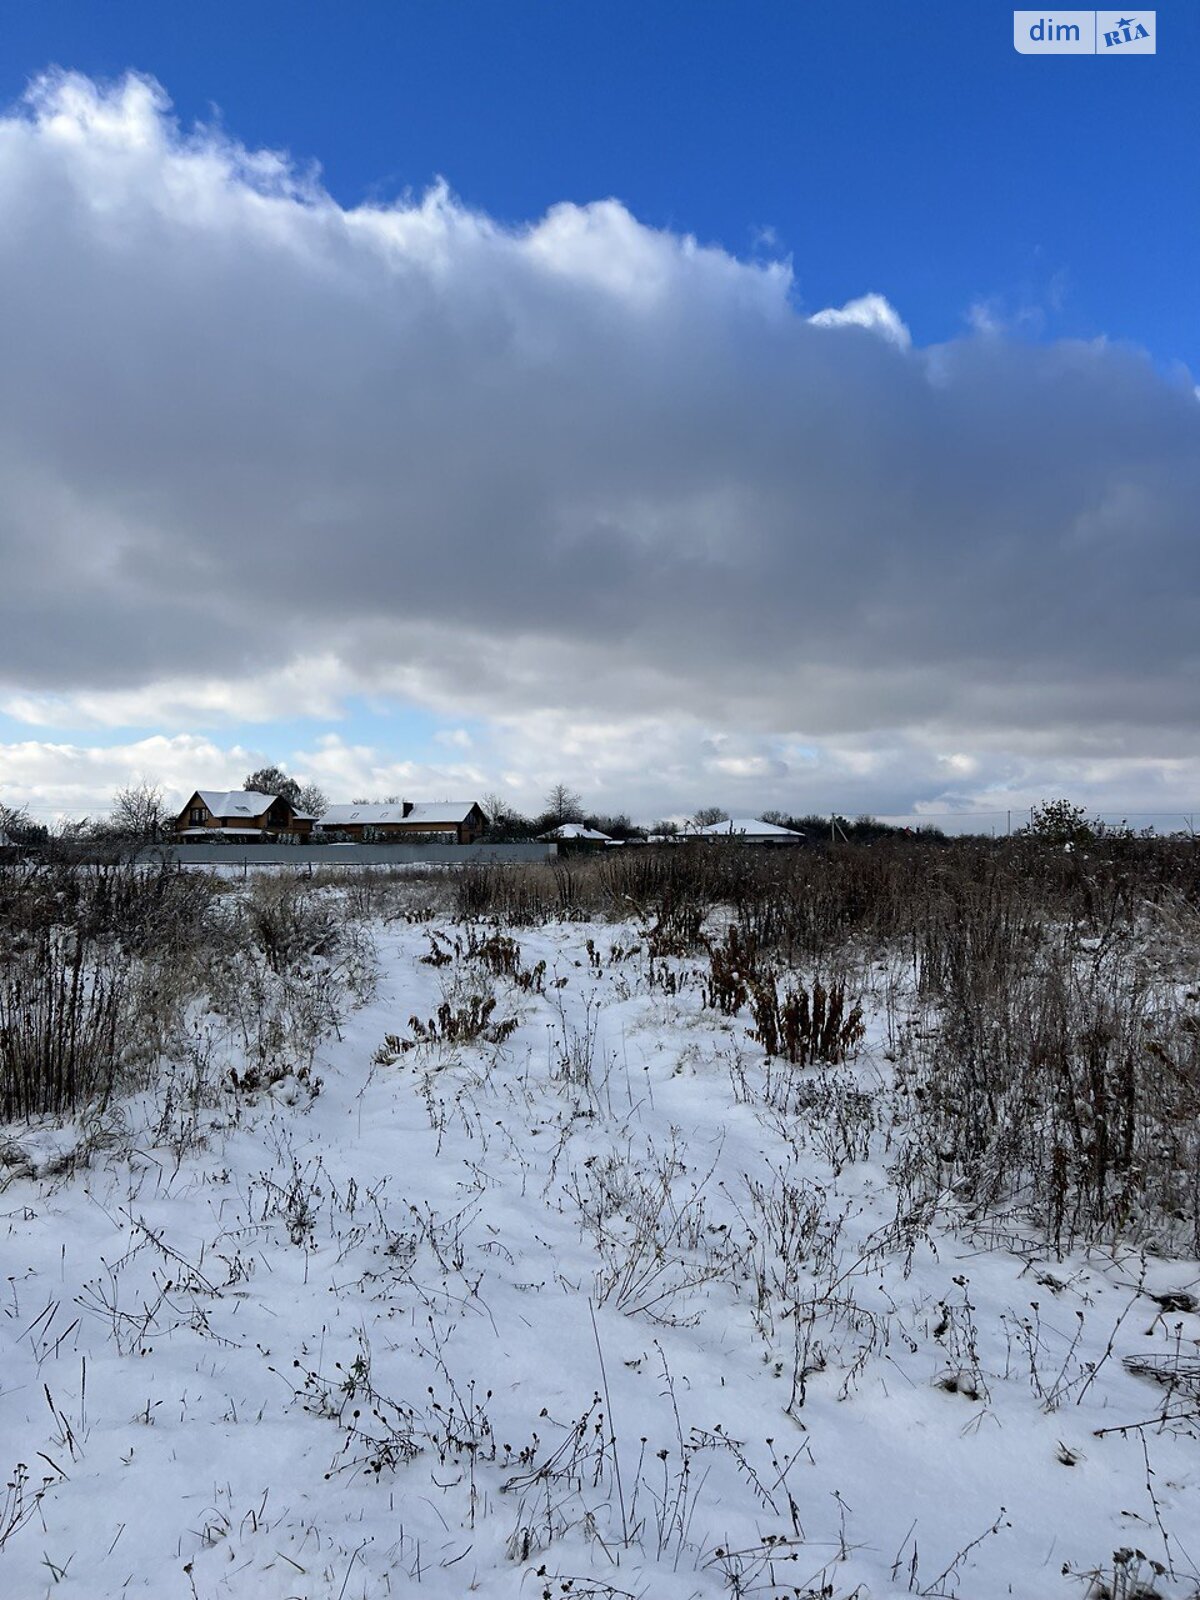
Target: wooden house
(453, 821)
(229, 815)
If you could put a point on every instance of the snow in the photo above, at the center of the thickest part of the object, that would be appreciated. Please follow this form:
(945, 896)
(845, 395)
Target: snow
(437, 811)
(236, 802)
(612, 1307)
(576, 830)
(441, 811)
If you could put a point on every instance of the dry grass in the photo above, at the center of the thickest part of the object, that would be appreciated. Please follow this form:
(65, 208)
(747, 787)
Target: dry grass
(1050, 1058)
(103, 966)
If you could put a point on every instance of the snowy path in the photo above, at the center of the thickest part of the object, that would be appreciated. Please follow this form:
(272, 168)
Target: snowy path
(577, 1313)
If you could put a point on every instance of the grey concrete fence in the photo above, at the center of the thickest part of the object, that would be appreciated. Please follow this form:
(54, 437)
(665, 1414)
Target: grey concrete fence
(348, 855)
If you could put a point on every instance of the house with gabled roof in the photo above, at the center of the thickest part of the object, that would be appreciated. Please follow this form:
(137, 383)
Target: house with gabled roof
(455, 821)
(747, 830)
(575, 833)
(239, 816)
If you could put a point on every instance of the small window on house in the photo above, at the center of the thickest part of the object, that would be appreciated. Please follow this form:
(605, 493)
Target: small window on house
(196, 816)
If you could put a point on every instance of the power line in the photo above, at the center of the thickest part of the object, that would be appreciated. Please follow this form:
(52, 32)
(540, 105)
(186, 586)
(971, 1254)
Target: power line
(966, 816)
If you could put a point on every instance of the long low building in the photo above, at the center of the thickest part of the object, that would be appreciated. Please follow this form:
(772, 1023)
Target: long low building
(747, 830)
(460, 820)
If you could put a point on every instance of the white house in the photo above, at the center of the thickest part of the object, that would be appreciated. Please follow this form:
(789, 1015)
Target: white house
(575, 833)
(748, 830)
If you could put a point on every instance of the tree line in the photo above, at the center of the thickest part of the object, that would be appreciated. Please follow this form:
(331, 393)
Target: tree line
(140, 816)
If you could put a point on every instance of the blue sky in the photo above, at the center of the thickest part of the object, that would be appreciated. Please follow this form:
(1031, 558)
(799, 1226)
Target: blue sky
(898, 151)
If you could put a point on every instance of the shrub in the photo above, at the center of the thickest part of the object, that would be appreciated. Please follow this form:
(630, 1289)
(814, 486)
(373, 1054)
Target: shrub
(803, 1027)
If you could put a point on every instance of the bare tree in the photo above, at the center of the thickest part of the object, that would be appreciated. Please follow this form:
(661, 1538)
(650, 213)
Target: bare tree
(139, 813)
(617, 826)
(563, 805)
(708, 815)
(313, 800)
(15, 823)
(504, 822)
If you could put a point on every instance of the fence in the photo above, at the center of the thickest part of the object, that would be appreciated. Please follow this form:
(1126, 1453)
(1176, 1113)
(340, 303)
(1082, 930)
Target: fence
(347, 855)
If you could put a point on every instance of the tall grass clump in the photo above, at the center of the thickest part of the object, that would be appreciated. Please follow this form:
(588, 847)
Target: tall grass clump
(64, 1003)
(1068, 1088)
(110, 971)
(1056, 1071)
(84, 953)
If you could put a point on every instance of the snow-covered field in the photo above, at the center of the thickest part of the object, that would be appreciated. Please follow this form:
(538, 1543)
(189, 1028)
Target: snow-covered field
(600, 1303)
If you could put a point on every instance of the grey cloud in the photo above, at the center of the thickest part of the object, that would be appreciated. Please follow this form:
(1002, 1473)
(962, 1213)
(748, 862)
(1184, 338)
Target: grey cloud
(561, 466)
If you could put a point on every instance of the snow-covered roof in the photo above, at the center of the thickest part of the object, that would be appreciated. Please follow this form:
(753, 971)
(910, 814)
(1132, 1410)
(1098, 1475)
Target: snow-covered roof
(747, 828)
(575, 830)
(433, 813)
(441, 811)
(236, 802)
(344, 816)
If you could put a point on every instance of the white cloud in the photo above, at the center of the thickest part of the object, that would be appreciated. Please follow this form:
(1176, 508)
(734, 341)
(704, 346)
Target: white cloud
(362, 771)
(68, 780)
(647, 766)
(872, 312)
(986, 317)
(303, 687)
(259, 452)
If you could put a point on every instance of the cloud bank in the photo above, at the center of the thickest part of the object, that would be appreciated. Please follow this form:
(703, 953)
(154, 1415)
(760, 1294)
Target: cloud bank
(259, 451)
